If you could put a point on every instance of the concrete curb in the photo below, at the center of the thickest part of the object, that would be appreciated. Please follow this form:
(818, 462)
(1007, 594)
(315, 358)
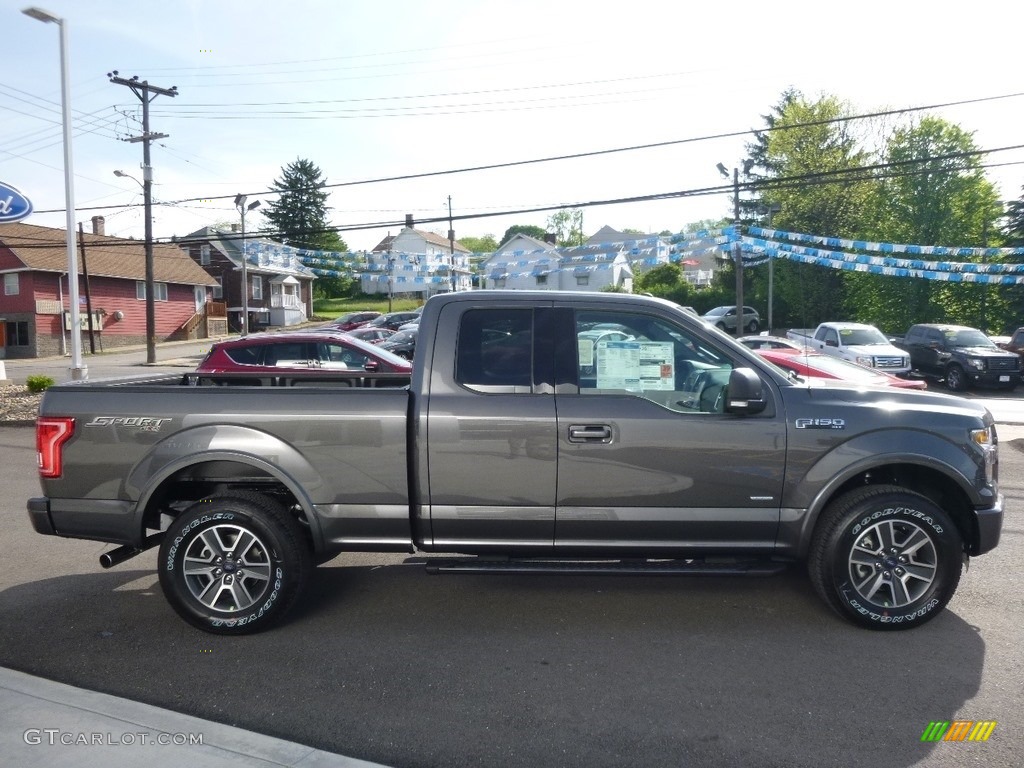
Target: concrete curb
(53, 724)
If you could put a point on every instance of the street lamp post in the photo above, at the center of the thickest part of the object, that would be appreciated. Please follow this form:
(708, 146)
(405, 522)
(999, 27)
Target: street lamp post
(151, 289)
(240, 203)
(78, 368)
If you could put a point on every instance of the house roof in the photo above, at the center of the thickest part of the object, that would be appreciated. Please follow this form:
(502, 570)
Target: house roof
(265, 256)
(44, 249)
(431, 237)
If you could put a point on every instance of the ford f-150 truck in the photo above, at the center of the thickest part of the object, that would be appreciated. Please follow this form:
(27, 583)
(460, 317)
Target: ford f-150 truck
(857, 342)
(962, 356)
(540, 431)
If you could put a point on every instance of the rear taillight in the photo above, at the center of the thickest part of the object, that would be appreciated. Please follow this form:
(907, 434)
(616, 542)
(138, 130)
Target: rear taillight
(51, 434)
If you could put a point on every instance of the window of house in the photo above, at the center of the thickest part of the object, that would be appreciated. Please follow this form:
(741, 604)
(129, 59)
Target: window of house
(542, 279)
(499, 283)
(218, 289)
(11, 284)
(159, 291)
(582, 279)
(17, 333)
(257, 287)
(204, 254)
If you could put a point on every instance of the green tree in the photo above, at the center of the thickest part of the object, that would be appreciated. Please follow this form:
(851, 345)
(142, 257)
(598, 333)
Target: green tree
(567, 224)
(299, 218)
(665, 281)
(936, 194)
(797, 164)
(485, 244)
(530, 230)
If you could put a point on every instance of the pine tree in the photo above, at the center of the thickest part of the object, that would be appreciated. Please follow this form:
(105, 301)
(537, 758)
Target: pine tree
(299, 215)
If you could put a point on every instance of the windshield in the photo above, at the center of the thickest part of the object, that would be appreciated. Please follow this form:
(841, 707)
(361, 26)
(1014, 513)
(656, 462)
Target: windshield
(718, 311)
(403, 337)
(863, 336)
(969, 337)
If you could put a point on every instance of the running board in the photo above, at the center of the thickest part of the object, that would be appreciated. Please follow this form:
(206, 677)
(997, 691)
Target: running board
(610, 568)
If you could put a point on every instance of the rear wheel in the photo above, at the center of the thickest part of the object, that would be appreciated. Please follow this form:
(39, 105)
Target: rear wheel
(885, 558)
(234, 564)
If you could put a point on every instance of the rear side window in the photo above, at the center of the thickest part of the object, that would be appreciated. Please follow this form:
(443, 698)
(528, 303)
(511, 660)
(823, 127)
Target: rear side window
(495, 347)
(249, 355)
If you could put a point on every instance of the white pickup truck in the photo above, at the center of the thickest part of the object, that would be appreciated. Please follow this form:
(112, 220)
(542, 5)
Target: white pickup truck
(856, 342)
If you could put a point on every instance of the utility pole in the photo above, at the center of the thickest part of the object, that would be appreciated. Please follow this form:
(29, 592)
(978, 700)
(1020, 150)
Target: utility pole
(451, 244)
(737, 253)
(143, 90)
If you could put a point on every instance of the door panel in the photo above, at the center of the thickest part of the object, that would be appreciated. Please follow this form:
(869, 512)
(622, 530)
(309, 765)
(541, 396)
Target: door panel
(648, 459)
(491, 435)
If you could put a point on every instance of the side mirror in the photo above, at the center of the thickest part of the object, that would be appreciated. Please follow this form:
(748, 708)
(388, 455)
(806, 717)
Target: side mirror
(746, 392)
(371, 365)
(831, 343)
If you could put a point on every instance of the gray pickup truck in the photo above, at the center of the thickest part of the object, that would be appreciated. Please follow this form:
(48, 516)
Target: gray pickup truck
(540, 431)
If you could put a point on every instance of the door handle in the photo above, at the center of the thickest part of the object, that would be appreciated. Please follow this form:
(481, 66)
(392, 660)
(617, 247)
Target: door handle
(590, 433)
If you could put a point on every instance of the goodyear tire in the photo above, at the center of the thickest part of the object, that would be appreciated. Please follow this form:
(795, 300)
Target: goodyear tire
(886, 558)
(956, 379)
(234, 564)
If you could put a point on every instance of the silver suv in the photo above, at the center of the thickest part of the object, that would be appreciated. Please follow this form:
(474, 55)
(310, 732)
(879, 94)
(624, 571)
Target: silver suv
(725, 318)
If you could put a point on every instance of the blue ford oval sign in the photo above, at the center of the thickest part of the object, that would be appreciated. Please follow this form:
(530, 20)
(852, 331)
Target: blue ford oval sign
(14, 206)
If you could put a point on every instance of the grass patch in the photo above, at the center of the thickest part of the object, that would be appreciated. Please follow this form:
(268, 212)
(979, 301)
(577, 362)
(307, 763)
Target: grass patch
(328, 309)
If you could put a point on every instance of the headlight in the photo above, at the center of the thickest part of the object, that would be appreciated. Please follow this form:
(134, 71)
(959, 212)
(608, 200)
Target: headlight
(977, 364)
(869, 362)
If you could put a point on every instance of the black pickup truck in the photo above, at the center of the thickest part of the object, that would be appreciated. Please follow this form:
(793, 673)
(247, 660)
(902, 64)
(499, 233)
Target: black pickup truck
(962, 356)
(540, 431)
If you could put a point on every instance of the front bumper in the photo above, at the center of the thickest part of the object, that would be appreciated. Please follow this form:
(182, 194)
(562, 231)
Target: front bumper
(989, 524)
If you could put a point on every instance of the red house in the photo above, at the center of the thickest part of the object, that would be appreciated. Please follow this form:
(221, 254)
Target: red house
(34, 300)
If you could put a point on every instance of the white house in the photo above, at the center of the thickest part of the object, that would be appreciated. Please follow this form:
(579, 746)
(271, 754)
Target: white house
(526, 263)
(416, 262)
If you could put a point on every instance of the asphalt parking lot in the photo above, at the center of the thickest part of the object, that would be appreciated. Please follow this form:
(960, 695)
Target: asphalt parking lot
(385, 663)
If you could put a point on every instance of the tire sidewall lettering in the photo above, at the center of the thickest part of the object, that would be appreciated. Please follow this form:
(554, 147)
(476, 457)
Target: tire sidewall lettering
(877, 515)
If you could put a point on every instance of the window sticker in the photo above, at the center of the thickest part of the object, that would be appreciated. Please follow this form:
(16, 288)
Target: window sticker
(635, 365)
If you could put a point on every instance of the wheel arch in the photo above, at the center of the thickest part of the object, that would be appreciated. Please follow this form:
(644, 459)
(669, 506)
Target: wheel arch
(166, 479)
(949, 491)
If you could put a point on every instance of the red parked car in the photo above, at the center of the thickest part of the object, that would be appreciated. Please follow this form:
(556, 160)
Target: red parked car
(298, 352)
(351, 320)
(815, 365)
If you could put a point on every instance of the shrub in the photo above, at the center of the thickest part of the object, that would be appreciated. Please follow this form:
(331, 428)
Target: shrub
(39, 383)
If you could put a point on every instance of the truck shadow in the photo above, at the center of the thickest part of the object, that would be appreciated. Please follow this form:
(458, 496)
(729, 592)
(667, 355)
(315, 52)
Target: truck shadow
(520, 669)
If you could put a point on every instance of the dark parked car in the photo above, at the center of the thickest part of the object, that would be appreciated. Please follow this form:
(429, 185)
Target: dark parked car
(392, 320)
(402, 343)
(352, 320)
(300, 351)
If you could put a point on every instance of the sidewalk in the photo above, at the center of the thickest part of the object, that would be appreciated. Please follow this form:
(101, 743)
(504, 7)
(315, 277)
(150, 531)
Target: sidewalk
(43, 723)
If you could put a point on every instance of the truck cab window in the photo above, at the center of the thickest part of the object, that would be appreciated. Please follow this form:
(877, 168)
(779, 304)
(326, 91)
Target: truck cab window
(652, 358)
(495, 348)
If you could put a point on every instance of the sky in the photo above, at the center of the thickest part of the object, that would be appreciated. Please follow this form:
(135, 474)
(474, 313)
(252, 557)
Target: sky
(370, 90)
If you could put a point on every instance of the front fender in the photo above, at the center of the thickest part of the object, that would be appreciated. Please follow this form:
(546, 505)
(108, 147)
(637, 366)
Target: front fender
(813, 487)
(232, 443)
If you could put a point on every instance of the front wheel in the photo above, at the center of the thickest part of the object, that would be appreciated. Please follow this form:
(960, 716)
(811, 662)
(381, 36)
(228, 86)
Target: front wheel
(753, 326)
(956, 379)
(885, 558)
(234, 564)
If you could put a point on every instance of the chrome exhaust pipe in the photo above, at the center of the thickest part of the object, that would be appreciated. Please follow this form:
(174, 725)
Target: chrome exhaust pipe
(127, 551)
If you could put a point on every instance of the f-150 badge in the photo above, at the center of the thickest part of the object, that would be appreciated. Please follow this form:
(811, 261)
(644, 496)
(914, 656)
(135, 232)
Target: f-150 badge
(821, 423)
